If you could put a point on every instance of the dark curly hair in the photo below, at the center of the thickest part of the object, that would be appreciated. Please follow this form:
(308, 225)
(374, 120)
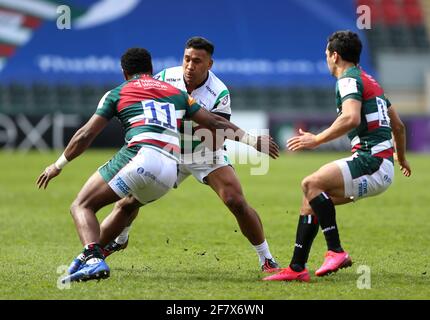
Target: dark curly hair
(200, 43)
(347, 44)
(136, 60)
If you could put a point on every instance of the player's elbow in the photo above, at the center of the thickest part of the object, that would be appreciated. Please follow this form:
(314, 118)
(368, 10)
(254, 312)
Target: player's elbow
(353, 121)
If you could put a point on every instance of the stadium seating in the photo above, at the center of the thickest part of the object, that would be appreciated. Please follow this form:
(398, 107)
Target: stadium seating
(40, 99)
(44, 98)
(294, 99)
(397, 25)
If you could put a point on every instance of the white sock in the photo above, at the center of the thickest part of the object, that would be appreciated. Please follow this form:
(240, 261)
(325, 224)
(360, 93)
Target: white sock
(263, 252)
(123, 237)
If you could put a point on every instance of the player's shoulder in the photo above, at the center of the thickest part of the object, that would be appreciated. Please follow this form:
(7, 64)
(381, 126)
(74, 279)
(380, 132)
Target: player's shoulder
(119, 86)
(112, 96)
(220, 94)
(350, 80)
(114, 93)
(215, 85)
(351, 76)
(170, 75)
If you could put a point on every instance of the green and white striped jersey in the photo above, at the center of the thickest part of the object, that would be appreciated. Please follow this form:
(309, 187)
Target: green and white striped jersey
(373, 135)
(150, 112)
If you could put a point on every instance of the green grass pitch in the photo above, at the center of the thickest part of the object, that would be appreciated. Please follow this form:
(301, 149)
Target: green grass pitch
(188, 246)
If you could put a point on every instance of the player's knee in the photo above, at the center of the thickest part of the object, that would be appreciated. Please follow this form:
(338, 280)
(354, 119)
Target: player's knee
(74, 207)
(79, 205)
(236, 203)
(126, 206)
(309, 184)
(305, 185)
(306, 210)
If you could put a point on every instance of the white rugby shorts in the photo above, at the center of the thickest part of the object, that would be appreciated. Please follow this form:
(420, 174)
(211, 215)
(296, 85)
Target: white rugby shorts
(148, 176)
(359, 185)
(201, 169)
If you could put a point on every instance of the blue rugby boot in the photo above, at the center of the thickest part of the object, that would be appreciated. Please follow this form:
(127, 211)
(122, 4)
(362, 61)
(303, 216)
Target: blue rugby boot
(94, 269)
(76, 264)
(88, 265)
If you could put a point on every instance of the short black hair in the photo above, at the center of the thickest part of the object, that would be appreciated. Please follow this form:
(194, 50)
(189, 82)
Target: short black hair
(136, 60)
(200, 43)
(347, 44)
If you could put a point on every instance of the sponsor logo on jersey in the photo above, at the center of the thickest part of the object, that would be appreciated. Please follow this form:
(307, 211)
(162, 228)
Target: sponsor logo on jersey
(173, 79)
(211, 91)
(140, 170)
(149, 83)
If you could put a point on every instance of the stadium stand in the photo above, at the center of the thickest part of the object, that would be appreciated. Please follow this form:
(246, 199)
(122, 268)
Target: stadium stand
(399, 42)
(397, 26)
(426, 12)
(40, 99)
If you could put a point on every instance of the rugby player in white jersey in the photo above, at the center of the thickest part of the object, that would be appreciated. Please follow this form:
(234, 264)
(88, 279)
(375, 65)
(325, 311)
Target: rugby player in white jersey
(196, 78)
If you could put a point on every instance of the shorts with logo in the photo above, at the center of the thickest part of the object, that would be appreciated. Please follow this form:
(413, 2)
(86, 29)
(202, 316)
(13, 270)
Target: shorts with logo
(365, 176)
(142, 172)
(201, 169)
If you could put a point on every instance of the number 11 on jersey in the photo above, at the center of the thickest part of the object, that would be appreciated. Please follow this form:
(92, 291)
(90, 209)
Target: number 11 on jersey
(160, 114)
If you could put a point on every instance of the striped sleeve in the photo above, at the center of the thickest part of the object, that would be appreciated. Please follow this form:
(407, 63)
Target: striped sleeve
(107, 105)
(222, 104)
(350, 88)
(161, 75)
(192, 106)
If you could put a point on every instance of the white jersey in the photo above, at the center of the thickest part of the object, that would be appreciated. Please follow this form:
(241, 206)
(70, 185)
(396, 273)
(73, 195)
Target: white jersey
(212, 95)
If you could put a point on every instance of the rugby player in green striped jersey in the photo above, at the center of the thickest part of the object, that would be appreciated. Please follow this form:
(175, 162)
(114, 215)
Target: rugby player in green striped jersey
(370, 121)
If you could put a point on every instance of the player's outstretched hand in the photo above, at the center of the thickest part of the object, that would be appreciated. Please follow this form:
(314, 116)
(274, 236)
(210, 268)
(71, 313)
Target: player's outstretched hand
(50, 172)
(405, 168)
(305, 140)
(267, 145)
